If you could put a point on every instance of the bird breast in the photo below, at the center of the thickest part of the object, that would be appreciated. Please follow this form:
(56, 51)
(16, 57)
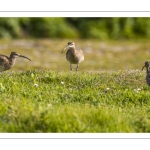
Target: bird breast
(75, 57)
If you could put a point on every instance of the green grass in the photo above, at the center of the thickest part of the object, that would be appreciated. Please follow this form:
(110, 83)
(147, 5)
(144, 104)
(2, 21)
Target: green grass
(50, 101)
(108, 94)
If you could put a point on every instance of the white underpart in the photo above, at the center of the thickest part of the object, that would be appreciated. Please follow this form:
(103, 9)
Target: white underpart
(82, 59)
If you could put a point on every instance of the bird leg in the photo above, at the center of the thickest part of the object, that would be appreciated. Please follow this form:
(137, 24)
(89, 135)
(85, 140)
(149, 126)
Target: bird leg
(77, 67)
(70, 67)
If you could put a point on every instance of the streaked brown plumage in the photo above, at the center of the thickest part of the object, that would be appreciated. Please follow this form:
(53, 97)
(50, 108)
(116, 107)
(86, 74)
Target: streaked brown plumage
(147, 65)
(73, 55)
(7, 63)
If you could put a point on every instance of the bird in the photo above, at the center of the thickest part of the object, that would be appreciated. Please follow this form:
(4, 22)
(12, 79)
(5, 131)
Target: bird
(147, 66)
(73, 55)
(7, 63)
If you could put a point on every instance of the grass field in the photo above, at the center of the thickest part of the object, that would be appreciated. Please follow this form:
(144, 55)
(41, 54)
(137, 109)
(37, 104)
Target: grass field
(108, 93)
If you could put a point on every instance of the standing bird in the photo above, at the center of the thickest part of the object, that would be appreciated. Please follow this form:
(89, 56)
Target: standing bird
(7, 63)
(73, 55)
(147, 66)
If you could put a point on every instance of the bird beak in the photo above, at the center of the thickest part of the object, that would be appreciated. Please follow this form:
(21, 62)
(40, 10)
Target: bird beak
(143, 68)
(65, 48)
(24, 57)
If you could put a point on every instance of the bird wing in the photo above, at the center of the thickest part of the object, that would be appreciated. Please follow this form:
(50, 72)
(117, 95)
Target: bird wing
(79, 55)
(4, 63)
(79, 51)
(4, 60)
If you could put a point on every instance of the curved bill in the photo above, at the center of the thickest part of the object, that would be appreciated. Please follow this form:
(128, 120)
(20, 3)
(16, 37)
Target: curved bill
(65, 48)
(24, 57)
(143, 68)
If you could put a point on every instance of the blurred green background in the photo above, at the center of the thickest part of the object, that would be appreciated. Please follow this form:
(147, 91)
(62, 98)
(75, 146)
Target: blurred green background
(55, 27)
(108, 43)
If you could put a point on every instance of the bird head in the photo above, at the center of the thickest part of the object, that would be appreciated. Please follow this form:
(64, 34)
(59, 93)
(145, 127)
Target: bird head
(16, 55)
(70, 45)
(147, 65)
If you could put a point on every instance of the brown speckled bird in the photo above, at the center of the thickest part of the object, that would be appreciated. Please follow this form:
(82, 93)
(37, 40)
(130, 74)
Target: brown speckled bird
(73, 55)
(7, 63)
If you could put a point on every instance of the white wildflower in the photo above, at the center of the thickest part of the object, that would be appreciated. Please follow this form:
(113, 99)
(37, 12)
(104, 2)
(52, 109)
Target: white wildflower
(107, 89)
(62, 82)
(35, 85)
(49, 105)
(136, 90)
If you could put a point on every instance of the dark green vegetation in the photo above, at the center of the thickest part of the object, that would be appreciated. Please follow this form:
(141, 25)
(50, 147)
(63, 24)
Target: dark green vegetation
(97, 28)
(108, 93)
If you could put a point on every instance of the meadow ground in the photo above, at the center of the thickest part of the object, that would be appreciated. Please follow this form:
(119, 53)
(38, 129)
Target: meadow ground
(108, 93)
